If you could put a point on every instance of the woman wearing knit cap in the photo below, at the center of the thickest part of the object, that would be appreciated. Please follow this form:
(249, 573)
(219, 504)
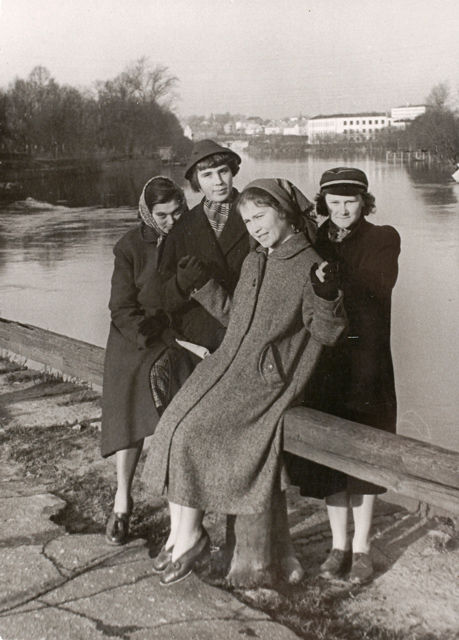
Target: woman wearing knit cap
(218, 445)
(210, 241)
(141, 373)
(355, 380)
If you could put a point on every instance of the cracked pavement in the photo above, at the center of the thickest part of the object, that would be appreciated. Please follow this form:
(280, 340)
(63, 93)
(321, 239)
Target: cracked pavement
(55, 586)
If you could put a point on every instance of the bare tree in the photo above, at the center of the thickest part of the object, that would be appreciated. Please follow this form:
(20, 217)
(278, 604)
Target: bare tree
(439, 96)
(149, 83)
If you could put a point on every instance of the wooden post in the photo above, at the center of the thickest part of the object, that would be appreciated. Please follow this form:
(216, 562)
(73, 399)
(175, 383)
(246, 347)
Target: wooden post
(256, 545)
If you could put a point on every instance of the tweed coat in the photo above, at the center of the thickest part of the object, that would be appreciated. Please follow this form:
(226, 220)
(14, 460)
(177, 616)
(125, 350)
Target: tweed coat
(128, 411)
(192, 235)
(218, 445)
(356, 379)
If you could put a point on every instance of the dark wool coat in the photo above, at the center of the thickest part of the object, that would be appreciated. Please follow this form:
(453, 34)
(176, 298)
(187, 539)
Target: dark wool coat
(128, 411)
(193, 236)
(218, 445)
(355, 380)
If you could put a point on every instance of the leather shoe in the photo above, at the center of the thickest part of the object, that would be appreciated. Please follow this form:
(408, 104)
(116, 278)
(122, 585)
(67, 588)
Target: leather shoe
(117, 529)
(336, 565)
(181, 568)
(162, 560)
(362, 568)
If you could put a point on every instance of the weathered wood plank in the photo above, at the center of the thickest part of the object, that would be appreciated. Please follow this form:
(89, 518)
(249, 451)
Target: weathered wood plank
(413, 468)
(67, 355)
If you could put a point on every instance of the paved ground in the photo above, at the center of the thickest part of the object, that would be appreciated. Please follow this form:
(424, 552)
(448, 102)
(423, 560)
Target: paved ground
(60, 586)
(57, 586)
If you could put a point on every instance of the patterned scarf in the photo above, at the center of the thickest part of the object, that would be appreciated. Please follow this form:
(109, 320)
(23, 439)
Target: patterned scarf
(336, 234)
(217, 213)
(147, 215)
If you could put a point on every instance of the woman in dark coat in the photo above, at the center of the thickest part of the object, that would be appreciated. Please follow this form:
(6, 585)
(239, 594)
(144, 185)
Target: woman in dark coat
(218, 444)
(210, 241)
(355, 380)
(141, 373)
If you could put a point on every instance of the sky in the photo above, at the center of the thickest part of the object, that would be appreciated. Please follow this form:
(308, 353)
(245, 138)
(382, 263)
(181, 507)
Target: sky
(268, 58)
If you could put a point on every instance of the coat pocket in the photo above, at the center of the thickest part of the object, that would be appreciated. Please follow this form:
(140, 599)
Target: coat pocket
(269, 366)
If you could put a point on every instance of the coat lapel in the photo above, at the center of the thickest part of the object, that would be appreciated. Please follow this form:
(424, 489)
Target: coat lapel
(233, 230)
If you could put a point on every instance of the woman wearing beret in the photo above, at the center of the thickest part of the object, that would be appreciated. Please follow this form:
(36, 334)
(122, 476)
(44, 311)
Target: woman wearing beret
(218, 445)
(210, 241)
(141, 373)
(356, 378)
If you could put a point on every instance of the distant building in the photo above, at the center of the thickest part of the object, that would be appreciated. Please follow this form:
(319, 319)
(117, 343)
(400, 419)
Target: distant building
(353, 126)
(250, 126)
(229, 127)
(409, 112)
(274, 128)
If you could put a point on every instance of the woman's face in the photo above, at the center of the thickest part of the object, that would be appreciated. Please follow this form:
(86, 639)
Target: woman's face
(216, 182)
(166, 214)
(344, 211)
(264, 224)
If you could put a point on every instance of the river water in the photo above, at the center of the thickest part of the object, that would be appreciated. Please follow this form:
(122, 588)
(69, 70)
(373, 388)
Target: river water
(56, 263)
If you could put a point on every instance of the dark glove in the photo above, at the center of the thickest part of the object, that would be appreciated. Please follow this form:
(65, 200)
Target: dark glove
(153, 326)
(192, 273)
(328, 289)
(168, 337)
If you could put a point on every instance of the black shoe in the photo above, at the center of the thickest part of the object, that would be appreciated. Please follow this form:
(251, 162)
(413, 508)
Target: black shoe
(117, 529)
(162, 560)
(181, 568)
(336, 565)
(362, 568)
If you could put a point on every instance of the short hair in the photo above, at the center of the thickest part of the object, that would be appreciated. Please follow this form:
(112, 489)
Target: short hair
(161, 190)
(369, 204)
(210, 162)
(262, 198)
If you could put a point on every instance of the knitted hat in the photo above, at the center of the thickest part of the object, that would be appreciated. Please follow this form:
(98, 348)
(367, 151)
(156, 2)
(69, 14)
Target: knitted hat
(344, 181)
(203, 149)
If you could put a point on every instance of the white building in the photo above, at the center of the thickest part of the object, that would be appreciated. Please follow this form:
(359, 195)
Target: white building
(355, 126)
(409, 112)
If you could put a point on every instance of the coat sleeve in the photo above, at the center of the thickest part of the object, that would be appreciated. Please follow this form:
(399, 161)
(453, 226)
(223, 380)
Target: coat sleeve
(377, 274)
(216, 300)
(126, 312)
(326, 320)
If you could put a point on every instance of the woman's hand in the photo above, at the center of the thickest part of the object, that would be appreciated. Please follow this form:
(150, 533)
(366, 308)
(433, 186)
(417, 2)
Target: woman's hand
(192, 273)
(325, 280)
(153, 326)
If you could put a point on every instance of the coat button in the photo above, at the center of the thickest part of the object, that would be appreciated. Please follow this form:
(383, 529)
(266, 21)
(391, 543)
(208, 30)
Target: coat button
(270, 367)
(254, 283)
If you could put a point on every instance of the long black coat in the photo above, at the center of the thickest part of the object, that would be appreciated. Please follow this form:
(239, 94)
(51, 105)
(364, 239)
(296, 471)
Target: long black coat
(355, 380)
(193, 236)
(128, 411)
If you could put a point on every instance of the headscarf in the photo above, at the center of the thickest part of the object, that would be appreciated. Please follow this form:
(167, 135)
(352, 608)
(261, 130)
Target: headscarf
(291, 199)
(147, 215)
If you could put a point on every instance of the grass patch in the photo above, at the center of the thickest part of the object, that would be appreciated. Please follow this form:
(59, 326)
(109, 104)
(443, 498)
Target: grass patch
(50, 454)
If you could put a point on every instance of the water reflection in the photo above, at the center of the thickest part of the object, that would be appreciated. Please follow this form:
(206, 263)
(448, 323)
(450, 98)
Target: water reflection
(116, 184)
(56, 265)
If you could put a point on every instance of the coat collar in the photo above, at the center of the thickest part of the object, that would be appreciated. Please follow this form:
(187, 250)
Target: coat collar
(297, 243)
(362, 227)
(148, 234)
(233, 230)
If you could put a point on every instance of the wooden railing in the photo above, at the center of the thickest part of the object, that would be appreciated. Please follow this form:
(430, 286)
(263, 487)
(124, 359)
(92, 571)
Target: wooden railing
(409, 467)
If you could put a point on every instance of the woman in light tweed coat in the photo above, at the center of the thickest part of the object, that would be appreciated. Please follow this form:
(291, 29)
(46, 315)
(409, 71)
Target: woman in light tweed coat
(218, 445)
